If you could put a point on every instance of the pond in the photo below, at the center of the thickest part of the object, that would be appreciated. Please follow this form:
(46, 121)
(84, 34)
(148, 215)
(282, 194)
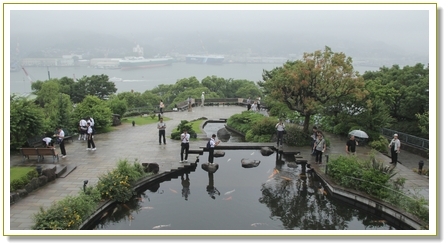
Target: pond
(275, 195)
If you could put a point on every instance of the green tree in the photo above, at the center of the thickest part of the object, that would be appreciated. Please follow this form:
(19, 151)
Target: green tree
(57, 106)
(321, 79)
(95, 85)
(26, 120)
(96, 108)
(117, 106)
(406, 93)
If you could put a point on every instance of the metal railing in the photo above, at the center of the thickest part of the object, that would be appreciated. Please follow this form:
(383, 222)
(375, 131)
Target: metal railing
(407, 139)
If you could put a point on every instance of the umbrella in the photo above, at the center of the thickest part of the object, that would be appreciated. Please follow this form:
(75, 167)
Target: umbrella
(359, 133)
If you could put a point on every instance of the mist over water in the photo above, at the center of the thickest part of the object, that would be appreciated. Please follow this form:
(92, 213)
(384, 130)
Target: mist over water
(146, 79)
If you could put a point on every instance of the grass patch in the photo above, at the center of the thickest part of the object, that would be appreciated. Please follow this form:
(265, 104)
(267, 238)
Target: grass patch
(196, 126)
(19, 172)
(142, 120)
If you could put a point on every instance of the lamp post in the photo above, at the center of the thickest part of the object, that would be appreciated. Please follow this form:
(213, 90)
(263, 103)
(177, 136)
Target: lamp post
(85, 184)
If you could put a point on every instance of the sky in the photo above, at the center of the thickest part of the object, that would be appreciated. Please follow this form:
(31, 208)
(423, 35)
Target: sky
(401, 26)
(410, 29)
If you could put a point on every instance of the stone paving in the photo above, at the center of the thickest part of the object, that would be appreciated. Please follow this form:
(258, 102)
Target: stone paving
(141, 143)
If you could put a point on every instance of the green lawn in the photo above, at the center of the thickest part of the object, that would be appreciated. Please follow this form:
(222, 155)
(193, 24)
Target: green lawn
(19, 172)
(197, 126)
(142, 120)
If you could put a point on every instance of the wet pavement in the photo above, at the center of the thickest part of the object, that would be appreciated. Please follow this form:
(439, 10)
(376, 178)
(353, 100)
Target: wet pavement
(141, 143)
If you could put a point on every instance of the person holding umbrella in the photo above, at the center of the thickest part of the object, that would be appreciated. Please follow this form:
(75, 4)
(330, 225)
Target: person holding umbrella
(394, 146)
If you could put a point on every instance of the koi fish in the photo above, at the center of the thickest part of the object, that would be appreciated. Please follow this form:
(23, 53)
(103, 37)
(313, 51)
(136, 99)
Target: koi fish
(229, 192)
(258, 224)
(147, 208)
(161, 226)
(115, 210)
(173, 191)
(252, 153)
(273, 173)
(104, 215)
(323, 192)
(228, 198)
(379, 221)
(286, 178)
(228, 160)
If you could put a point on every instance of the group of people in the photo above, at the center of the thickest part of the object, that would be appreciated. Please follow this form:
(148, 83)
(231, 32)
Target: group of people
(86, 129)
(254, 105)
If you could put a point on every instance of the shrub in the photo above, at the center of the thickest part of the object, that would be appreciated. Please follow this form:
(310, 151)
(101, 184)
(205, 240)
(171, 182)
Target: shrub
(184, 124)
(19, 183)
(380, 145)
(296, 136)
(117, 184)
(68, 213)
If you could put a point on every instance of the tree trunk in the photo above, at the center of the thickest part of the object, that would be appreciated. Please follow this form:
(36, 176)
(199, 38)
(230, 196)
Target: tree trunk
(306, 124)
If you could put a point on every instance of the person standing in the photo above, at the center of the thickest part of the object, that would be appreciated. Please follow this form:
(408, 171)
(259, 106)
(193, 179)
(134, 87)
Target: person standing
(189, 103)
(280, 127)
(258, 103)
(350, 146)
(90, 142)
(320, 146)
(394, 146)
(202, 99)
(161, 126)
(248, 104)
(82, 129)
(60, 139)
(161, 106)
(185, 146)
(211, 150)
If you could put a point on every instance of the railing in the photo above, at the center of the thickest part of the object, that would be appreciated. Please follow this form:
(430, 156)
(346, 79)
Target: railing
(407, 139)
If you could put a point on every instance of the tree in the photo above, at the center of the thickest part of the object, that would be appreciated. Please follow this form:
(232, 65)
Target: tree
(117, 106)
(321, 79)
(95, 85)
(26, 120)
(405, 92)
(96, 108)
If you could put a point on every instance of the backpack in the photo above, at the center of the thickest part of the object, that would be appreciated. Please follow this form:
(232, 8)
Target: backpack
(209, 145)
(93, 130)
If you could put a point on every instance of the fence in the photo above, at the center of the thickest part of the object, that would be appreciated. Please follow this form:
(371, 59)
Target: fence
(407, 139)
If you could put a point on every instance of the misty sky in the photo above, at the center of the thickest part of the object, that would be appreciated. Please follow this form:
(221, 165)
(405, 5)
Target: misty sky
(408, 29)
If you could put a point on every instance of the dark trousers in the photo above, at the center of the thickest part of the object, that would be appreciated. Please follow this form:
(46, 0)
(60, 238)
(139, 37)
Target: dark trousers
(211, 152)
(162, 134)
(90, 142)
(184, 147)
(393, 154)
(318, 156)
(161, 110)
(279, 137)
(62, 146)
(248, 107)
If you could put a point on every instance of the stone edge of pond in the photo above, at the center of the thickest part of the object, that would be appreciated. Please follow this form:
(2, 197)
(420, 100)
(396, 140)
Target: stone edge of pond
(376, 205)
(139, 184)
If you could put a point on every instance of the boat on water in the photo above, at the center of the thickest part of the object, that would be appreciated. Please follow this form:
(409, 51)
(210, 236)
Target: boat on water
(204, 59)
(116, 79)
(129, 63)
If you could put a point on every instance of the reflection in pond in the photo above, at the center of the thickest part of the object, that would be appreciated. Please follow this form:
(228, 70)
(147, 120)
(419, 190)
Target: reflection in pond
(219, 129)
(270, 196)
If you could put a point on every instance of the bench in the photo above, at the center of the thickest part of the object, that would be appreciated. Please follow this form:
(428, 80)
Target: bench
(39, 153)
(47, 151)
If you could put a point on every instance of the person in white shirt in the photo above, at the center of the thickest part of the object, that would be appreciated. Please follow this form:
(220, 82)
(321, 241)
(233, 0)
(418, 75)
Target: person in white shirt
(90, 142)
(184, 146)
(213, 144)
(82, 129)
(202, 99)
(48, 142)
(60, 135)
(254, 106)
(280, 126)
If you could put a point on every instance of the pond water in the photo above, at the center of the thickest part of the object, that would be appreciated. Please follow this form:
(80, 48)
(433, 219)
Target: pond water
(275, 195)
(212, 128)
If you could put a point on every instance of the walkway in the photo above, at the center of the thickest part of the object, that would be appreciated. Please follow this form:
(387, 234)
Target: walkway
(141, 143)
